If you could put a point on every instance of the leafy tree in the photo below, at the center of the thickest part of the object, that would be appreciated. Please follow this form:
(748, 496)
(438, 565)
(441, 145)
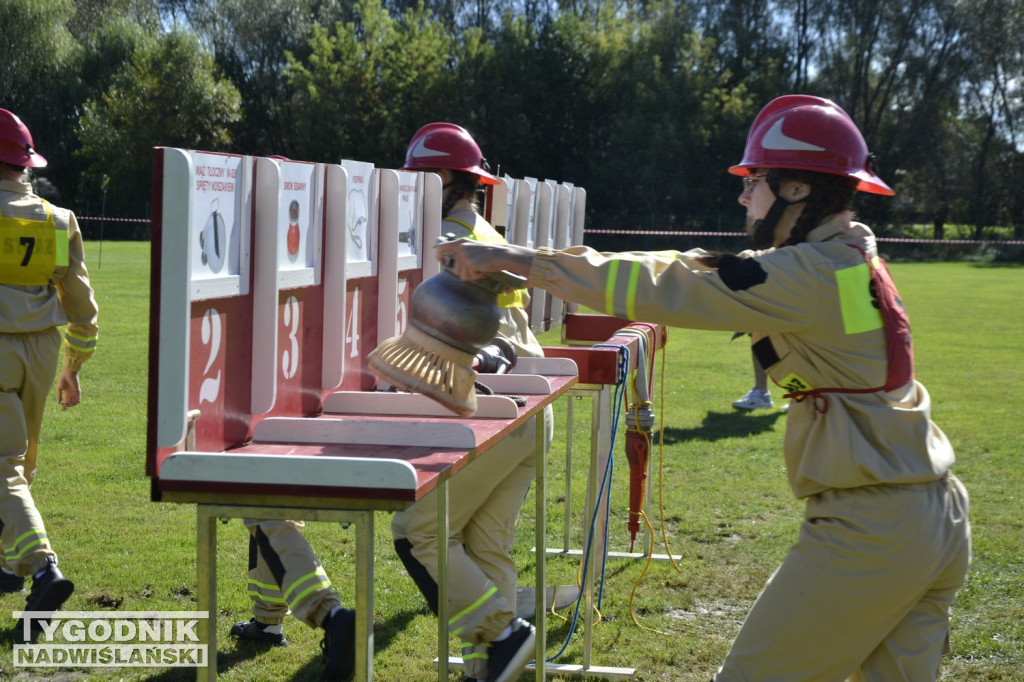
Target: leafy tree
(368, 85)
(92, 15)
(251, 41)
(994, 102)
(894, 67)
(38, 62)
(632, 105)
(37, 47)
(642, 102)
(167, 94)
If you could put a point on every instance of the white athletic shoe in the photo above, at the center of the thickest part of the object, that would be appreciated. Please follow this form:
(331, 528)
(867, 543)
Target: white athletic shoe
(754, 400)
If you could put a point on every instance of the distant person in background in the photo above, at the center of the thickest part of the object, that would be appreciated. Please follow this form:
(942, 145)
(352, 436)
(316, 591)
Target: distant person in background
(44, 285)
(864, 593)
(759, 397)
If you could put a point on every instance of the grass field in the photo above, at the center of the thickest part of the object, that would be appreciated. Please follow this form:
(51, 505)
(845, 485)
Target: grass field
(727, 508)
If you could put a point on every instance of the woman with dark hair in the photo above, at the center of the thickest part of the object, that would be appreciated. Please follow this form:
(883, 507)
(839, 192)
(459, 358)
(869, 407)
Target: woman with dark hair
(865, 592)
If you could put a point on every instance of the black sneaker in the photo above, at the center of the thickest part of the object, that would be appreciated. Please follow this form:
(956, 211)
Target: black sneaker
(49, 592)
(339, 645)
(508, 658)
(256, 632)
(10, 583)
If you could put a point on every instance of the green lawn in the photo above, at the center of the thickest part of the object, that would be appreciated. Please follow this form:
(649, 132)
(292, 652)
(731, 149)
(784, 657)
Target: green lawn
(721, 500)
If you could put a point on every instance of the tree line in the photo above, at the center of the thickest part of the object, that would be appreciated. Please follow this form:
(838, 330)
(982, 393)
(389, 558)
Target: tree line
(645, 103)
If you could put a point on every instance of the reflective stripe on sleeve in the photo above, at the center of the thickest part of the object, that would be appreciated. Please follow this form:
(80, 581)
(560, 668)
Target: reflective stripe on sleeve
(83, 344)
(620, 298)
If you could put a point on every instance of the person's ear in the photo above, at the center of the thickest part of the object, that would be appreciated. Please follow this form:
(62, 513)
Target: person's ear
(797, 191)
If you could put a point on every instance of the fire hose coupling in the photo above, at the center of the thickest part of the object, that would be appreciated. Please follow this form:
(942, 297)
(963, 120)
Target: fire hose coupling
(497, 357)
(640, 417)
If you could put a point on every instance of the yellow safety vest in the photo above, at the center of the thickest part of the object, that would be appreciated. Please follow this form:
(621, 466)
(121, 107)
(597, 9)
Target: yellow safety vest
(30, 250)
(488, 235)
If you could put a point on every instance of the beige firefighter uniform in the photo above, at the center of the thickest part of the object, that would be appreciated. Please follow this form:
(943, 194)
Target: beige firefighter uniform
(484, 500)
(285, 575)
(865, 592)
(43, 285)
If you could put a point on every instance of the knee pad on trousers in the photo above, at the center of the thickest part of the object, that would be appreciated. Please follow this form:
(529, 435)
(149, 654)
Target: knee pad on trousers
(418, 573)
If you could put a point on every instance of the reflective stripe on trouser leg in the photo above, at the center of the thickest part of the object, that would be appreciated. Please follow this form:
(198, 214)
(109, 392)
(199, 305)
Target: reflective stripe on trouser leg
(504, 472)
(268, 602)
(474, 656)
(28, 365)
(287, 575)
(475, 660)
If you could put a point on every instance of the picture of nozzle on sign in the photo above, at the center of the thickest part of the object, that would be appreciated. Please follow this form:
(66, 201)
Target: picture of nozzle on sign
(213, 239)
(406, 230)
(356, 222)
(217, 188)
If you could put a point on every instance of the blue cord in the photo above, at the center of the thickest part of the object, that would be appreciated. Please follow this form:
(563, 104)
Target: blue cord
(618, 396)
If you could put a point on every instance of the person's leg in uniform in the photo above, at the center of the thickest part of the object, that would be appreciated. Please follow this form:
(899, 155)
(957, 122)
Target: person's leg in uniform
(914, 648)
(285, 575)
(489, 535)
(864, 558)
(488, 493)
(28, 365)
(264, 589)
(473, 598)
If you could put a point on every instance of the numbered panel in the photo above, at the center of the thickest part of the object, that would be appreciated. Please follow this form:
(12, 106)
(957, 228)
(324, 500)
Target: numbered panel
(275, 344)
(399, 264)
(273, 280)
(360, 218)
(219, 369)
(299, 210)
(360, 333)
(220, 194)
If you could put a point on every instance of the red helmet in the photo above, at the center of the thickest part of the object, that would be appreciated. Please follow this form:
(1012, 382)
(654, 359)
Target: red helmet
(446, 145)
(16, 146)
(810, 133)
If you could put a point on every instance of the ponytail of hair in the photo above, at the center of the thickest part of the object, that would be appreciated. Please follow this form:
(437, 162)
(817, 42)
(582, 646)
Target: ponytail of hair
(830, 194)
(462, 186)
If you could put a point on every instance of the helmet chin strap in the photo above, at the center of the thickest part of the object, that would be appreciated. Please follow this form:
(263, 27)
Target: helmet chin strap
(764, 228)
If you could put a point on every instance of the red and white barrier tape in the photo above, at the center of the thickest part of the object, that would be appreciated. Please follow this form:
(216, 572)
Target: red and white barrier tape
(693, 233)
(114, 220)
(903, 240)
